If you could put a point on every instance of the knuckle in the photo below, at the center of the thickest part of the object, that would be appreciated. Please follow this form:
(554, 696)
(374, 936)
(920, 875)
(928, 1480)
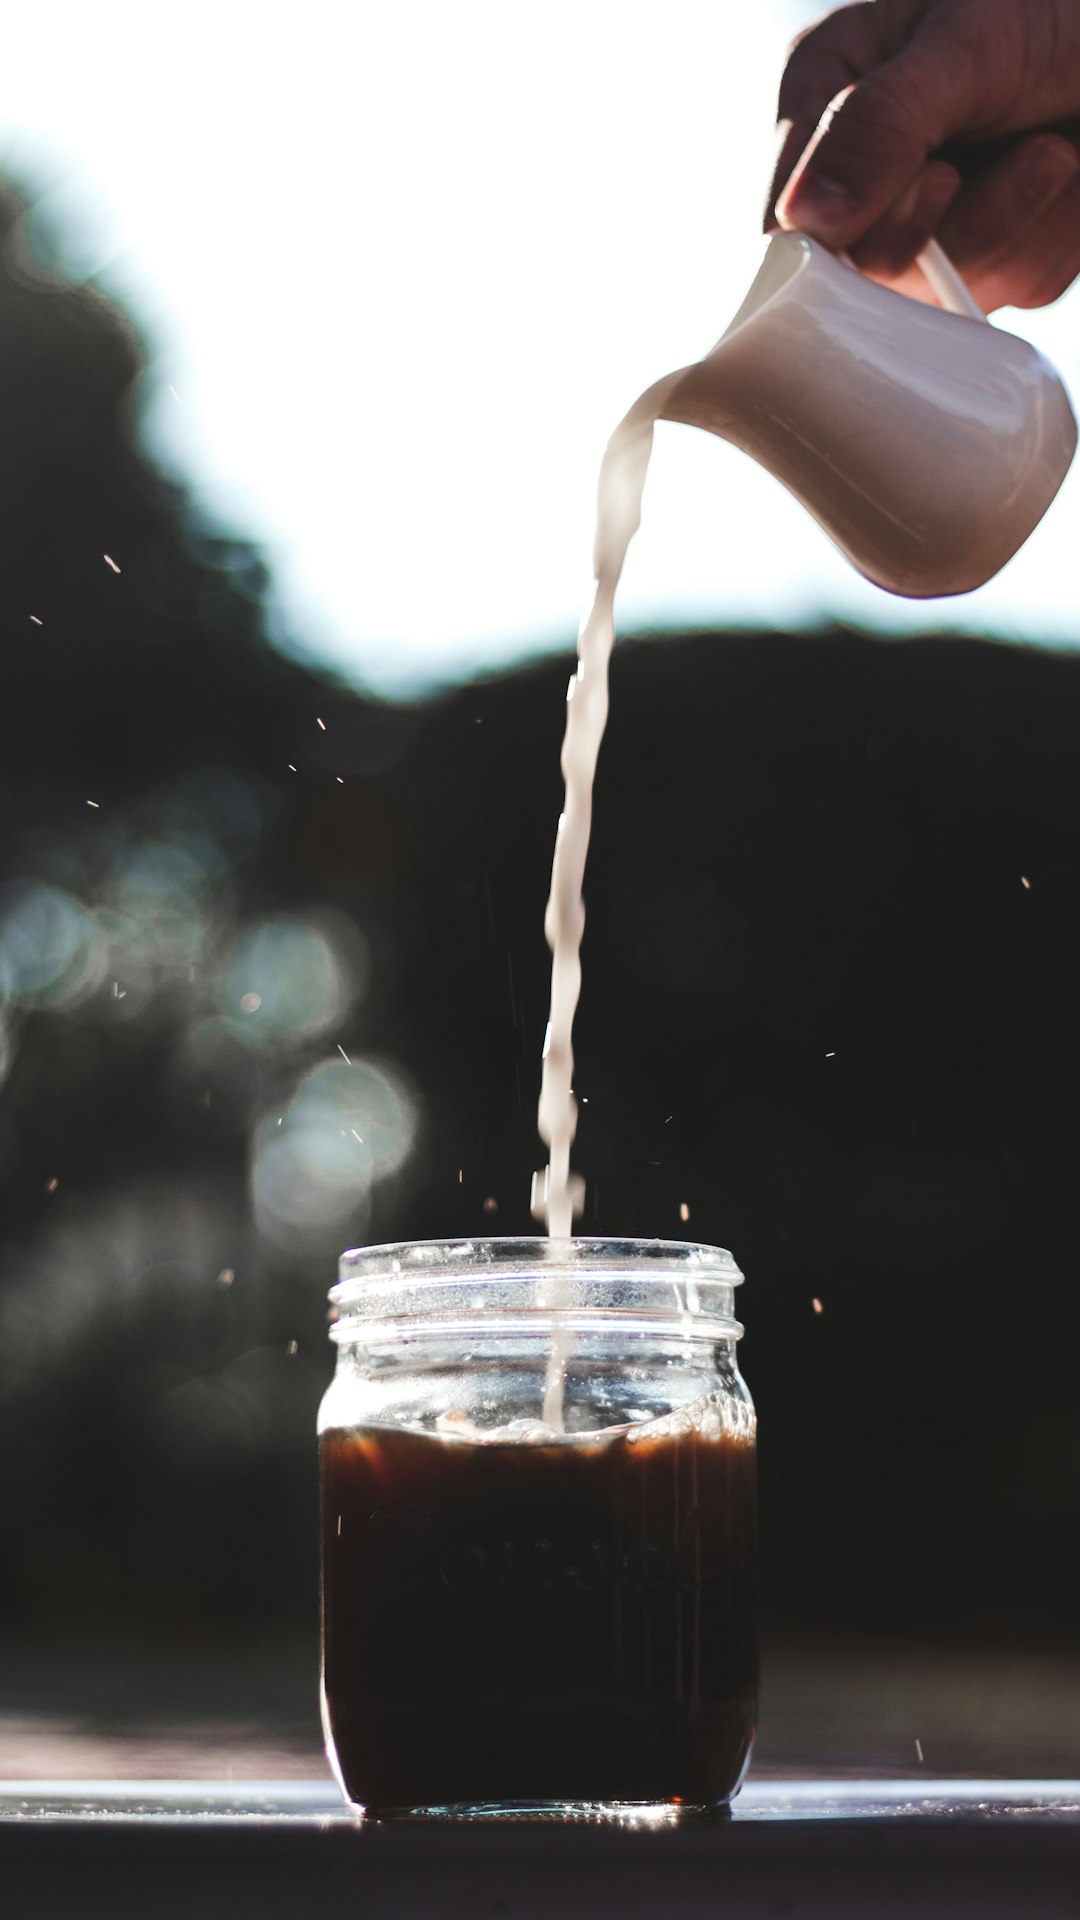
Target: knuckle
(822, 59)
(884, 104)
(871, 135)
(805, 91)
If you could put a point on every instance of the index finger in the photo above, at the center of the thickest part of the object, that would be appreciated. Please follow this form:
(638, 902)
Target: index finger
(821, 63)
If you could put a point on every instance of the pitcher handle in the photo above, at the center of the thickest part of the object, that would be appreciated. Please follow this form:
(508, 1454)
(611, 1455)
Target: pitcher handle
(942, 278)
(938, 270)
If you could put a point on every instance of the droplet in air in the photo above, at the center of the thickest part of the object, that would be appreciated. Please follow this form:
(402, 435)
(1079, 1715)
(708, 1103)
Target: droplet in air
(226, 1277)
(816, 1304)
(51, 1185)
(1025, 883)
(320, 723)
(491, 1205)
(293, 1349)
(96, 804)
(250, 1002)
(36, 621)
(684, 1212)
(110, 562)
(344, 1055)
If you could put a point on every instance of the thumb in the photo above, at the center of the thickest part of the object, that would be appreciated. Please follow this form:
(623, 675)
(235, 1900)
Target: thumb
(871, 142)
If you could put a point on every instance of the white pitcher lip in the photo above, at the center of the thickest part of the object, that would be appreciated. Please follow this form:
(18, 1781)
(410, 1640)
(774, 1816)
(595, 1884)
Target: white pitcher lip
(786, 256)
(789, 253)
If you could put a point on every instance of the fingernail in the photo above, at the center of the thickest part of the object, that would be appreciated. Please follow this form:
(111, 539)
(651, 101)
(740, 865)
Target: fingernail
(815, 204)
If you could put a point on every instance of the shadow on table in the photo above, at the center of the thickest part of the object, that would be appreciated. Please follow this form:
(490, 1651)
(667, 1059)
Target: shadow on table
(858, 1709)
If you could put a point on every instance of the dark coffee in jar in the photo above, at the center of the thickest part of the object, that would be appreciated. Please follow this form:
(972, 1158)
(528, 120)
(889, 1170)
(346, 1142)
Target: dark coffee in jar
(508, 1622)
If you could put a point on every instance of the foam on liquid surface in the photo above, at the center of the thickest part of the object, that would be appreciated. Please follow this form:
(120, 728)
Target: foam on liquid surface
(714, 1416)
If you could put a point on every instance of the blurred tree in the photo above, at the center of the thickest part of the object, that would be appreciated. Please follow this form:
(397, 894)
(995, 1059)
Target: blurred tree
(829, 1010)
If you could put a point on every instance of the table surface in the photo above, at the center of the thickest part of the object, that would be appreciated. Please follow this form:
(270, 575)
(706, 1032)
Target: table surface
(294, 1804)
(969, 1850)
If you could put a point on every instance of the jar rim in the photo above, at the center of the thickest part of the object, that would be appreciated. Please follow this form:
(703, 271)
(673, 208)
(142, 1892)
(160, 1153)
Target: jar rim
(509, 1283)
(484, 1256)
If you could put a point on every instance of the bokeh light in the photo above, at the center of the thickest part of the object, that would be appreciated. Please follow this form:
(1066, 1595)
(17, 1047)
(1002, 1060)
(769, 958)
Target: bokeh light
(315, 1161)
(51, 950)
(152, 1247)
(163, 878)
(258, 1403)
(287, 980)
(214, 809)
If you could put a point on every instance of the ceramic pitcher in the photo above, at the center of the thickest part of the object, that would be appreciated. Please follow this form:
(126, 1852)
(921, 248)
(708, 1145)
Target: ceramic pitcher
(926, 442)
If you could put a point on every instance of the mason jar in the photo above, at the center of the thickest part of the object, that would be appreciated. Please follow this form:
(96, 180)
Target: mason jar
(537, 1471)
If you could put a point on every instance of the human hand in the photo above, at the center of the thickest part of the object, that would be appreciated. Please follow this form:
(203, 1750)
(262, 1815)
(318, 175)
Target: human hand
(903, 120)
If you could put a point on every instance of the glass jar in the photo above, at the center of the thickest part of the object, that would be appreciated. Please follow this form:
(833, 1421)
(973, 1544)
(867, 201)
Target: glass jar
(538, 1517)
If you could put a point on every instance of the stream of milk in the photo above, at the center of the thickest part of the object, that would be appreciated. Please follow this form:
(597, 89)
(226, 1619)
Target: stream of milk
(558, 1193)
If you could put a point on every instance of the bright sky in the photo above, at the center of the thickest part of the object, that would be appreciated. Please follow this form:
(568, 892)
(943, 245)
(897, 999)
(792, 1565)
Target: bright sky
(403, 268)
